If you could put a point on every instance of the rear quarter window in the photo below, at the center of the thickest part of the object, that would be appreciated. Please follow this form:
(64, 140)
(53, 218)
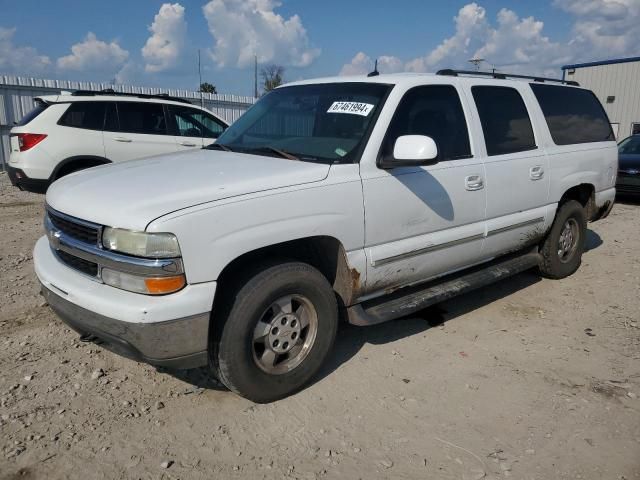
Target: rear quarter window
(574, 115)
(40, 107)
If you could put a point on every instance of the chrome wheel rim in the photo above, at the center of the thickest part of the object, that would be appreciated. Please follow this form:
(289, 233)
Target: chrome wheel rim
(284, 335)
(568, 241)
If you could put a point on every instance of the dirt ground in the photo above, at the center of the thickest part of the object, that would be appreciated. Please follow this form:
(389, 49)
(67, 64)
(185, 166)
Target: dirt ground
(528, 379)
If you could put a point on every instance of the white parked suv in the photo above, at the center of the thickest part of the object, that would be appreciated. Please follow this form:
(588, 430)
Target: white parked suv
(363, 198)
(67, 133)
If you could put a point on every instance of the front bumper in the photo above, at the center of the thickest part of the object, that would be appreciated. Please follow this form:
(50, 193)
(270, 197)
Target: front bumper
(175, 343)
(628, 184)
(169, 330)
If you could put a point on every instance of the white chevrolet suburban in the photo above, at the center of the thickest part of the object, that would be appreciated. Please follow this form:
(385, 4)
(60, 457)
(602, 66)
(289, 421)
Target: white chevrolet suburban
(363, 198)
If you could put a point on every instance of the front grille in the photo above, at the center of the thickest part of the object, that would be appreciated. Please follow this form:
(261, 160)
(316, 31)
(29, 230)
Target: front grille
(84, 266)
(79, 231)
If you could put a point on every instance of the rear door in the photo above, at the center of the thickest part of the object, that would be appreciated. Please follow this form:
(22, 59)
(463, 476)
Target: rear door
(517, 171)
(137, 130)
(193, 128)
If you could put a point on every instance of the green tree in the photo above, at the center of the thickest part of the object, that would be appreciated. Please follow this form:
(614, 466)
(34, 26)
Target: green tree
(272, 77)
(207, 87)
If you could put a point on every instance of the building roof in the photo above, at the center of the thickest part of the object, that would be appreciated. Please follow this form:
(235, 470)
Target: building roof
(602, 62)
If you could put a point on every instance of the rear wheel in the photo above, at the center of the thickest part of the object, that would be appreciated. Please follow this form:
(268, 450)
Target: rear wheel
(274, 331)
(562, 248)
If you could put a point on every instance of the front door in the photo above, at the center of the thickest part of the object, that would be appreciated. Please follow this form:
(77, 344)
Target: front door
(194, 128)
(422, 222)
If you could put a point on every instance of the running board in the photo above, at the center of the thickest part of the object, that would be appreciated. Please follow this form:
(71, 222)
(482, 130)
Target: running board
(410, 300)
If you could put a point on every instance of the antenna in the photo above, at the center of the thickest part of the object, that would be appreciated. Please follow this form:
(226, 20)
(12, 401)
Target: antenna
(476, 62)
(375, 72)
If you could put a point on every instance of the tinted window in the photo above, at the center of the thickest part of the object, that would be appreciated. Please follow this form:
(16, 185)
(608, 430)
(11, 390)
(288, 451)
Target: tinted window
(111, 123)
(89, 115)
(190, 122)
(505, 120)
(573, 115)
(142, 118)
(40, 107)
(630, 145)
(434, 111)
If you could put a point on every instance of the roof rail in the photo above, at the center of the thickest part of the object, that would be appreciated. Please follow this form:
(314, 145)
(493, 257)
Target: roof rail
(112, 92)
(503, 76)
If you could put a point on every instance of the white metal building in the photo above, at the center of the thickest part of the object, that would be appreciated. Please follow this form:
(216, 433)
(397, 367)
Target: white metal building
(617, 85)
(17, 94)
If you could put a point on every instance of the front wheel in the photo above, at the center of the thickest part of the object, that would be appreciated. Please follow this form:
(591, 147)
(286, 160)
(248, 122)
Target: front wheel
(274, 331)
(562, 248)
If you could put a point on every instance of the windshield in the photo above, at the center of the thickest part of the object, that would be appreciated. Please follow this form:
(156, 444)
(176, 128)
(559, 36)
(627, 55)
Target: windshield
(630, 145)
(324, 122)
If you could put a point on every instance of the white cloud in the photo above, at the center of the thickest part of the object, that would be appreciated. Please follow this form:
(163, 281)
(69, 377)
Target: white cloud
(242, 28)
(601, 29)
(513, 43)
(164, 47)
(93, 55)
(20, 60)
(362, 64)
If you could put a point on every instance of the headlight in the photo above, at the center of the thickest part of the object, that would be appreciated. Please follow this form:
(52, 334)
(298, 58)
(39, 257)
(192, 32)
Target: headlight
(141, 244)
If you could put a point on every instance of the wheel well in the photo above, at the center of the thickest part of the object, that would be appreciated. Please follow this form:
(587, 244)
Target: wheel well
(583, 193)
(77, 163)
(324, 253)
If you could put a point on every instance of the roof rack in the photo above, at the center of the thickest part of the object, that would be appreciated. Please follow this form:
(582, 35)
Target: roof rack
(112, 92)
(504, 76)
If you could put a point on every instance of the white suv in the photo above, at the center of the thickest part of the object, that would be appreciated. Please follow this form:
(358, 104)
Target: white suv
(366, 198)
(67, 133)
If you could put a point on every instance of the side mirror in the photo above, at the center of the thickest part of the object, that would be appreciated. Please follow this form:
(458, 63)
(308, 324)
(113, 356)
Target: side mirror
(412, 150)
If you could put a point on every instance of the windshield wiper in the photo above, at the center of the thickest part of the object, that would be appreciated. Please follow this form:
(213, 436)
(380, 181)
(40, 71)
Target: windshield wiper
(219, 146)
(277, 151)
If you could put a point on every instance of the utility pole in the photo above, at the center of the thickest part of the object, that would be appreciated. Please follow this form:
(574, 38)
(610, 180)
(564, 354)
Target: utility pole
(255, 76)
(200, 79)
(476, 62)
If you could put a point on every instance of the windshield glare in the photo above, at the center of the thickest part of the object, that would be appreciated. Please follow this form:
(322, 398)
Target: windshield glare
(325, 122)
(630, 145)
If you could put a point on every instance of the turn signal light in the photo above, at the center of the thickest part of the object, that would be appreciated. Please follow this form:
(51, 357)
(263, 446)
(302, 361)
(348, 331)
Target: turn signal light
(162, 285)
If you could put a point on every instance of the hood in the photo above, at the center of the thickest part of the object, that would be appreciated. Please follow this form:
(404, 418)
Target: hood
(628, 161)
(132, 194)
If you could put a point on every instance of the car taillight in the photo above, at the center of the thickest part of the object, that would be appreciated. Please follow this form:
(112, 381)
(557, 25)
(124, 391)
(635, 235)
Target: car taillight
(29, 140)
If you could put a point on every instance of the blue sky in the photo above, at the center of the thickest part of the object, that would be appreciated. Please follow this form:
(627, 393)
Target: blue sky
(155, 43)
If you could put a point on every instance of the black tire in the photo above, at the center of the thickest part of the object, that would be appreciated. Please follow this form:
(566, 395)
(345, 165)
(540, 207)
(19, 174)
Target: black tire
(554, 265)
(233, 348)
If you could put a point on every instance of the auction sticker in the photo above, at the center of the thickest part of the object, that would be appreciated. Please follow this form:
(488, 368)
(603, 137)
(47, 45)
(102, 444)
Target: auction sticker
(354, 108)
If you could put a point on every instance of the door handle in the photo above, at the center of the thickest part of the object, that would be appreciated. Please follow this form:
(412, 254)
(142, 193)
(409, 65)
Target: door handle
(188, 144)
(474, 182)
(122, 139)
(536, 173)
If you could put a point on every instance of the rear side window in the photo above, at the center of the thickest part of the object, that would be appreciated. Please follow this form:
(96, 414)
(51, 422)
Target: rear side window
(505, 121)
(434, 111)
(142, 118)
(40, 107)
(573, 115)
(88, 115)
